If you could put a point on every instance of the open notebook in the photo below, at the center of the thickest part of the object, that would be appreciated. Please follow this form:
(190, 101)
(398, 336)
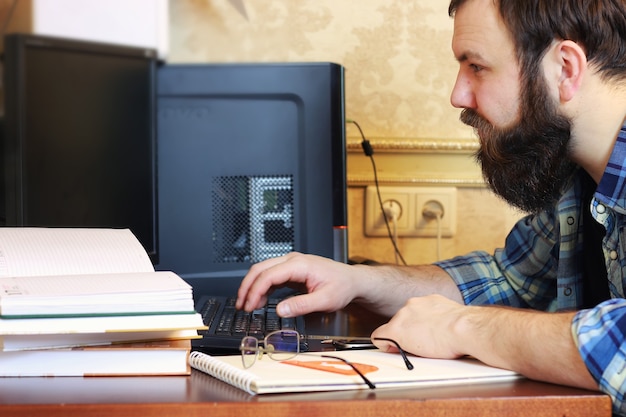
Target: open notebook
(310, 372)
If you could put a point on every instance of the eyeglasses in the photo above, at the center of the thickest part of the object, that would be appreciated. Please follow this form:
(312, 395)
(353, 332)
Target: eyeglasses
(283, 345)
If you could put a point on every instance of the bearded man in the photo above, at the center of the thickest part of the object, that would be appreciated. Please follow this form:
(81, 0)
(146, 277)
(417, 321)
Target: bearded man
(543, 83)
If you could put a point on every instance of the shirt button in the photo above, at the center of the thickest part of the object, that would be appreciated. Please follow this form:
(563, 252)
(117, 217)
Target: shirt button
(570, 220)
(567, 291)
(613, 255)
(600, 208)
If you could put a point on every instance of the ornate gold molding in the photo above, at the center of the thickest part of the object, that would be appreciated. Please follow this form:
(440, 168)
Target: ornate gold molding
(358, 181)
(436, 162)
(415, 145)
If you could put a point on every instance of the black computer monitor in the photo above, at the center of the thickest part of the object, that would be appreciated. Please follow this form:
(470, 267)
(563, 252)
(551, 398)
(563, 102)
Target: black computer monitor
(251, 165)
(79, 142)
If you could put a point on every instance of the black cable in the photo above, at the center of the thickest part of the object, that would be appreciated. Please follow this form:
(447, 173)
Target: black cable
(369, 151)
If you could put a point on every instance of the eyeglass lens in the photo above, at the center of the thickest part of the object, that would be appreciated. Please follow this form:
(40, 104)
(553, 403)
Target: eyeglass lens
(282, 345)
(279, 345)
(249, 350)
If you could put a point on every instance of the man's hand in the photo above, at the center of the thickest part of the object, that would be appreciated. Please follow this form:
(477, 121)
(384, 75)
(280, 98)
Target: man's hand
(425, 326)
(328, 284)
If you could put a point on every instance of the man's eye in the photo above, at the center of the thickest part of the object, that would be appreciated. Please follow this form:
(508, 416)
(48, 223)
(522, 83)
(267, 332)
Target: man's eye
(475, 68)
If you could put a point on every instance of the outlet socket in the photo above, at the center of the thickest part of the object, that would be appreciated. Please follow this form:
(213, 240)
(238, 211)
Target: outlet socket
(412, 201)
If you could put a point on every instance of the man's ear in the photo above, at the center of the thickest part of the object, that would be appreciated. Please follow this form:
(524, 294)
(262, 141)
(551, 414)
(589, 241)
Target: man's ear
(573, 61)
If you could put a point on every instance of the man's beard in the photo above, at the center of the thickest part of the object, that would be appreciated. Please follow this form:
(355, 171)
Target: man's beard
(528, 163)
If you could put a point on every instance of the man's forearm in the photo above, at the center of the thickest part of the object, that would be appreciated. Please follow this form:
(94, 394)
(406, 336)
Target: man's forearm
(386, 288)
(536, 344)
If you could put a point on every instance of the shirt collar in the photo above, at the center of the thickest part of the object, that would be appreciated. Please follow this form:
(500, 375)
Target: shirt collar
(612, 187)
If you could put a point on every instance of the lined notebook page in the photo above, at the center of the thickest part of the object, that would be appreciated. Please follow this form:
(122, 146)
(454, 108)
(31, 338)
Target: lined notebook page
(64, 251)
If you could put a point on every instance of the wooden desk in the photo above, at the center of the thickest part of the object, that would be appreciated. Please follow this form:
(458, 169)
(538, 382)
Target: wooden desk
(201, 395)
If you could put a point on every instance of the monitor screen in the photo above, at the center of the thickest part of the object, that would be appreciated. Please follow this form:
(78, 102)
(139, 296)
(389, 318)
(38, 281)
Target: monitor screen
(80, 136)
(251, 166)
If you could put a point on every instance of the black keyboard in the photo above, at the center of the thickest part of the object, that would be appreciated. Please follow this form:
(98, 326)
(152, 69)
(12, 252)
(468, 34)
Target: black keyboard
(227, 325)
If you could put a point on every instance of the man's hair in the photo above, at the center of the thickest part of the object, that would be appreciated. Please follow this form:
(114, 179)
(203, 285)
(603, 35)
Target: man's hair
(598, 26)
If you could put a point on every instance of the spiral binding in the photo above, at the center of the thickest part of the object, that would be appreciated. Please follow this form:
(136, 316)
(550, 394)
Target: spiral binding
(223, 371)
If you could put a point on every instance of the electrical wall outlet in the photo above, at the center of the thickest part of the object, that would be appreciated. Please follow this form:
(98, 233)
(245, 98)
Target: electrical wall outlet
(412, 201)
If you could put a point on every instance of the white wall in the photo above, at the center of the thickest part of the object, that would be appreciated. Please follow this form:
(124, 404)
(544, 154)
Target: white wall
(141, 23)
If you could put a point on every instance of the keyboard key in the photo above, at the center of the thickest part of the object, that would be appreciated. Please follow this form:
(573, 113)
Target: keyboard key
(227, 325)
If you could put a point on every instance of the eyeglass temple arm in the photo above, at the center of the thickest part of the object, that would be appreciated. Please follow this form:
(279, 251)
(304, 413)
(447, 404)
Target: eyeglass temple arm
(365, 379)
(407, 362)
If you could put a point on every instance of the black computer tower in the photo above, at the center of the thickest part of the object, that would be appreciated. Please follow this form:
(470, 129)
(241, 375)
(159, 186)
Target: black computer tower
(251, 165)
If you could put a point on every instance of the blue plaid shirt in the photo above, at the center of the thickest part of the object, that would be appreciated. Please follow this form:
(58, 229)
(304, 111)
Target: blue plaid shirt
(540, 267)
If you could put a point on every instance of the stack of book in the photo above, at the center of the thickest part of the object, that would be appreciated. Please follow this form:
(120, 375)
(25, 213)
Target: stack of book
(81, 302)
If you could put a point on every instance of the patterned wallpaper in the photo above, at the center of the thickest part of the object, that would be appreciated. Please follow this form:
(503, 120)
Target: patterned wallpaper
(399, 65)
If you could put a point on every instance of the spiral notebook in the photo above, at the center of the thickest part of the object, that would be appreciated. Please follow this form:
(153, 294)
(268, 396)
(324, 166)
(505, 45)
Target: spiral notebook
(310, 372)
